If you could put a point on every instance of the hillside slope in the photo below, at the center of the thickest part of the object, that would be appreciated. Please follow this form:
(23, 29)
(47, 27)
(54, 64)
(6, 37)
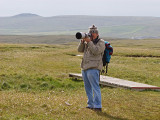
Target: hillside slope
(122, 27)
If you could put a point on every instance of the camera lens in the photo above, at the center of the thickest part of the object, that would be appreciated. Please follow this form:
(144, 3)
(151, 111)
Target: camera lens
(78, 35)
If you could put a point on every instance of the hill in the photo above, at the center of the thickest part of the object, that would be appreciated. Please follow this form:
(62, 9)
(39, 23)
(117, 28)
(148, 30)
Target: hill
(109, 26)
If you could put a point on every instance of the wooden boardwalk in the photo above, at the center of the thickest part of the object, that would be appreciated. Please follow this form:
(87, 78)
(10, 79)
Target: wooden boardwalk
(116, 82)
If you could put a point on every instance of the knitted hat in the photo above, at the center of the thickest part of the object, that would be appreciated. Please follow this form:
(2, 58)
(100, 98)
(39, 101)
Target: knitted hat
(93, 29)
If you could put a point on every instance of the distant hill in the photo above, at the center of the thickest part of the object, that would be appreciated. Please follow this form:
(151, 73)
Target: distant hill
(117, 27)
(26, 15)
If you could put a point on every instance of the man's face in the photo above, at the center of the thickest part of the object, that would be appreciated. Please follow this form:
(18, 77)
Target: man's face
(94, 35)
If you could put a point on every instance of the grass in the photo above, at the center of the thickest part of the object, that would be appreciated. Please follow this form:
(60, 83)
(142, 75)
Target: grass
(118, 104)
(136, 61)
(121, 30)
(34, 82)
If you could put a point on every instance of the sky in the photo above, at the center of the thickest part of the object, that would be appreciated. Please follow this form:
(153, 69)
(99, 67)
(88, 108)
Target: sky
(48, 8)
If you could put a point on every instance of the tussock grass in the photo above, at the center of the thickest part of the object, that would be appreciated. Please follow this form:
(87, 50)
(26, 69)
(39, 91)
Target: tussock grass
(34, 82)
(118, 104)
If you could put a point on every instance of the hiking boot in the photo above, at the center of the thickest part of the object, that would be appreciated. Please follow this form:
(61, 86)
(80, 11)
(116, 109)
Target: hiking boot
(97, 109)
(89, 107)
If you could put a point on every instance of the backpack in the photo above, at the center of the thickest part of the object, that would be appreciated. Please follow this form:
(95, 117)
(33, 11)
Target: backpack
(107, 56)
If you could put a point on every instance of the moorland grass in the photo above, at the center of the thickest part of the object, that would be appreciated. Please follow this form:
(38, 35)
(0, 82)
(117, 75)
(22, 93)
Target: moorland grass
(34, 82)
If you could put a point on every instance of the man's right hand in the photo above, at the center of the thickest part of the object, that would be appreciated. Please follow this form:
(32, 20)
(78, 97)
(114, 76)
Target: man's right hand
(82, 41)
(87, 39)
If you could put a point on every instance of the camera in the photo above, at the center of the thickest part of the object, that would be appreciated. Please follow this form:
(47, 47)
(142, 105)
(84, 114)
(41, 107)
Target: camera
(81, 35)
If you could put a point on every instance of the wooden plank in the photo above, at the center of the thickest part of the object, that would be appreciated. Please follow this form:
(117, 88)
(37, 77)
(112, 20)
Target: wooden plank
(126, 84)
(116, 82)
(76, 76)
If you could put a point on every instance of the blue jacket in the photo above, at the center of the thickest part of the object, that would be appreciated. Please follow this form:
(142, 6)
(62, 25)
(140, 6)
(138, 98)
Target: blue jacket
(109, 51)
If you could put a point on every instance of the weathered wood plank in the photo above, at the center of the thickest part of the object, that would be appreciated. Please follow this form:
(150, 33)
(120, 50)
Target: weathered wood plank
(116, 82)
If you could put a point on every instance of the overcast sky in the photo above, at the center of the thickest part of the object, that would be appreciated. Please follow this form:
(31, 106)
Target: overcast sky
(49, 8)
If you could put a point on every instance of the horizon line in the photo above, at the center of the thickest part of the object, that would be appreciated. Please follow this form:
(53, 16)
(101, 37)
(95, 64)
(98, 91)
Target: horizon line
(33, 14)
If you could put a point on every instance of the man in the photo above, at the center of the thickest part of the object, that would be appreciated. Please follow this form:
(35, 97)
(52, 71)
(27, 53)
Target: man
(93, 48)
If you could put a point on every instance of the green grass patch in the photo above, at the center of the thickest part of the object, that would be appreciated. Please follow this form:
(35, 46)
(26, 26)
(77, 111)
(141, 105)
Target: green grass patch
(34, 82)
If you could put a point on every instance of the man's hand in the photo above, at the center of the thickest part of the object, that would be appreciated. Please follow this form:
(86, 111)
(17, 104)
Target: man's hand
(82, 41)
(87, 39)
